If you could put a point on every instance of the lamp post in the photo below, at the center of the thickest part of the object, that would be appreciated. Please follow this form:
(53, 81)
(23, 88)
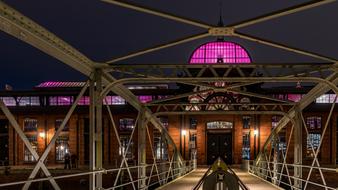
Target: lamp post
(255, 134)
(184, 133)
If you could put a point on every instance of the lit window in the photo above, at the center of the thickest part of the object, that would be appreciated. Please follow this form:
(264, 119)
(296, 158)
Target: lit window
(29, 101)
(164, 121)
(114, 100)
(58, 124)
(282, 143)
(127, 124)
(30, 125)
(220, 52)
(219, 125)
(314, 122)
(246, 122)
(295, 97)
(314, 140)
(8, 101)
(124, 144)
(246, 147)
(61, 148)
(274, 121)
(61, 100)
(193, 123)
(84, 100)
(28, 157)
(326, 98)
(145, 99)
(160, 148)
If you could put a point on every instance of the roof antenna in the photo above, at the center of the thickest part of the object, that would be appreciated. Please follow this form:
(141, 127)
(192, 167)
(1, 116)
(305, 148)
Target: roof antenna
(220, 22)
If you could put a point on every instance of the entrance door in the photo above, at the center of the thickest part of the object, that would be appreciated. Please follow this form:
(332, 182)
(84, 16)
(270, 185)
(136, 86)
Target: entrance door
(4, 156)
(219, 145)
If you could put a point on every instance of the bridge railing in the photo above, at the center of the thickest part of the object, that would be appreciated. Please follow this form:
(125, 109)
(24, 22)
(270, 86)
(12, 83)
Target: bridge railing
(275, 173)
(165, 172)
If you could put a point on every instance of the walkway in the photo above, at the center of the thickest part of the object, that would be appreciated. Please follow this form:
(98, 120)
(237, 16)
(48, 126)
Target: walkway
(189, 181)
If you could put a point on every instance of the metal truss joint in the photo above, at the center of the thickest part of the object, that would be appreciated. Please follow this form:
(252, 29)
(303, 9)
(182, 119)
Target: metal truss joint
(222, 31)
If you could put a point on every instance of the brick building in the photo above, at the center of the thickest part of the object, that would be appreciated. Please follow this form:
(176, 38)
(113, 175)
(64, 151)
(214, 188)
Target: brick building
(234, 136)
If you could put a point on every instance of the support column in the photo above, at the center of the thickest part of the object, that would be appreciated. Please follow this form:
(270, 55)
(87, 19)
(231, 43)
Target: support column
(98, 112)
(298, 152)
(142, 152)
(95, 118)
(92, 133)
(275, 160)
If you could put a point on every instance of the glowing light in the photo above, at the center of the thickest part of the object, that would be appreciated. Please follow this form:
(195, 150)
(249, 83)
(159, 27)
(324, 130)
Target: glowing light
(184, 132)
(255, 132)
(62, 147)
(42, 135)
(220, 52)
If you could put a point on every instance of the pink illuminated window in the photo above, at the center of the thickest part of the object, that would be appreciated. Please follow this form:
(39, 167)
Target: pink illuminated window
(8, 101)
(61, 100)
(220, 52)
(114, 100)
(84, 100)
(145, 99)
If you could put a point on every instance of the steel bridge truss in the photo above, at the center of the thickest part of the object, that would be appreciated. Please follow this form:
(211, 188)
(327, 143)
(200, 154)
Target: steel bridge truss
(113, 76)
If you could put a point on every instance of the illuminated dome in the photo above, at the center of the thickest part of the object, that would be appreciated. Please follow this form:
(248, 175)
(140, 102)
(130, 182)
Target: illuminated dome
(220, 52)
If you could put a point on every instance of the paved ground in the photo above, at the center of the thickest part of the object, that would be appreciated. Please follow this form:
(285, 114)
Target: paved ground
(190, 180)
(253, 182)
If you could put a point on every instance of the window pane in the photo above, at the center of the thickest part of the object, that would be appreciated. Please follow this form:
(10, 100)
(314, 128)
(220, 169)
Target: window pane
(61, 148)
(127, 124)
(58, 124)
(30, 125)
(9, 101)
(246, 147)
(246, 122)
(28, 157)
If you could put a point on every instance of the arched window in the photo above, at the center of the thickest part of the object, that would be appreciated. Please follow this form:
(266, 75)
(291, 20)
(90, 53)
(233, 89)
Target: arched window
(220, 52)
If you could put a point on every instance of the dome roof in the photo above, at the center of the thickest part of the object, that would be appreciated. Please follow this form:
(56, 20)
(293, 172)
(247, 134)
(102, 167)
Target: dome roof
(219, 52)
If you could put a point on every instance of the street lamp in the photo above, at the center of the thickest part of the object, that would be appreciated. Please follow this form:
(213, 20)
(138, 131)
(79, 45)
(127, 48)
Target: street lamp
(42, 134)
(184, 133)
(255, 134)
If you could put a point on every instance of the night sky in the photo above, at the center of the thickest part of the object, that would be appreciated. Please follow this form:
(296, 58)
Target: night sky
(104, 31)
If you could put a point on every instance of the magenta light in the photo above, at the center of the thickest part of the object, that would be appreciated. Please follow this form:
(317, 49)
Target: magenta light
(220, 52)
(54, 84)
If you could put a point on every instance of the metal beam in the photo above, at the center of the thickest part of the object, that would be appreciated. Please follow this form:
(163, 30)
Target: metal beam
(284, 47)
(54, 138)
(14, 23)
(215, 79)
(157, 13)
(23, 137)
(280, 13)
(159, 47)
(142, 176)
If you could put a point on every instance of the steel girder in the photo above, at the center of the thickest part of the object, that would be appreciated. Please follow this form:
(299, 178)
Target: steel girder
(233, 107)
(221, 70)
(230, 30)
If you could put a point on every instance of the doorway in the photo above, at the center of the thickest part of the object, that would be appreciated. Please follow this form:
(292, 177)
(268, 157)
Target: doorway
(219, 145)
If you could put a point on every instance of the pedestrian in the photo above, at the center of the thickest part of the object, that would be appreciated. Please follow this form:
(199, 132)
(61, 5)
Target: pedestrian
(67, 161)
(74, 160)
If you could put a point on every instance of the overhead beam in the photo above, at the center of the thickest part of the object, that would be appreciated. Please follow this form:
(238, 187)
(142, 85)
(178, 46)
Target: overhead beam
(17, 25)
(159, 47)
(282, 46)
(280, 13)
(158, 13)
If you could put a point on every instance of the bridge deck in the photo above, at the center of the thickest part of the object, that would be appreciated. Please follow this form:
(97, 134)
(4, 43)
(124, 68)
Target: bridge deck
(189, 181)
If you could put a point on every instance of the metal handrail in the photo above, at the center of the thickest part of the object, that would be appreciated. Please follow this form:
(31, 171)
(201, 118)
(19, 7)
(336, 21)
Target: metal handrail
(104, 171)
(254, 172)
